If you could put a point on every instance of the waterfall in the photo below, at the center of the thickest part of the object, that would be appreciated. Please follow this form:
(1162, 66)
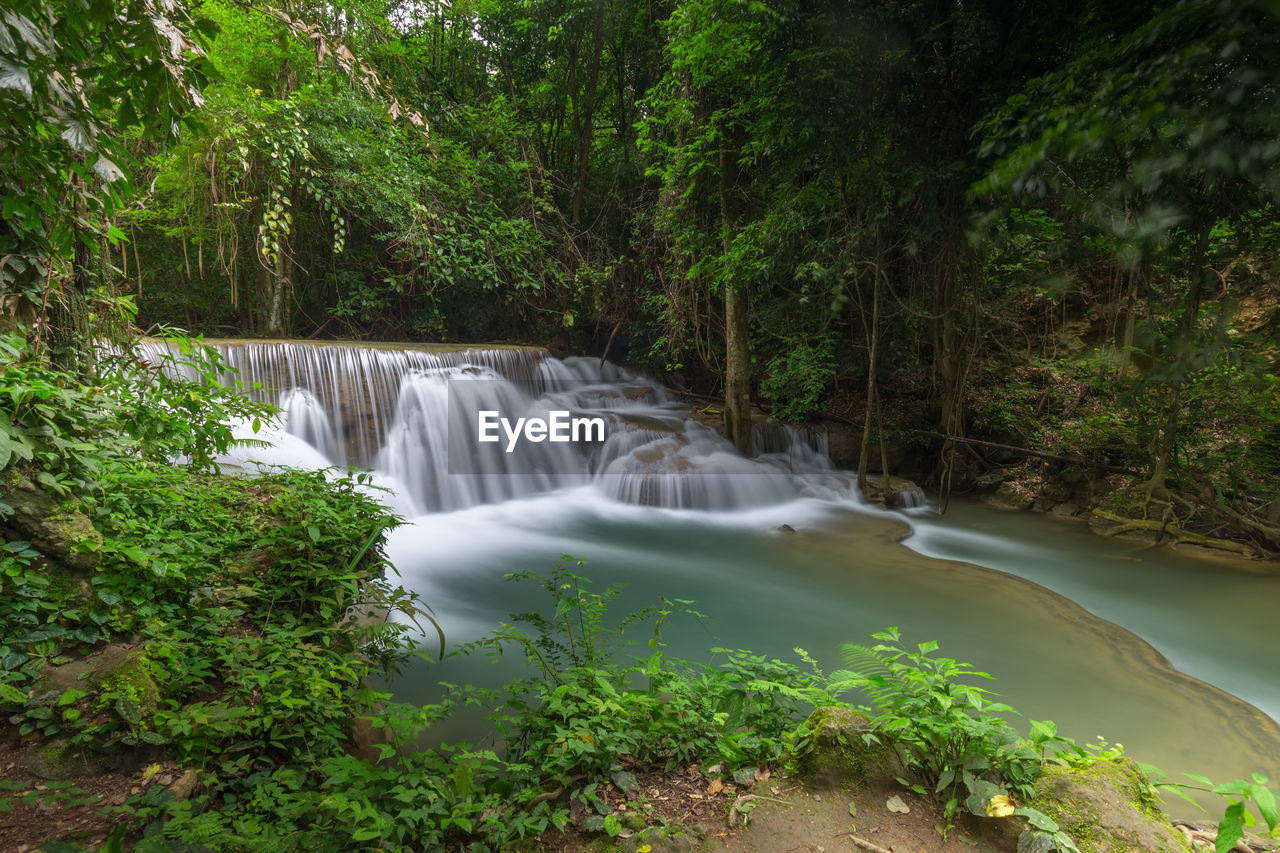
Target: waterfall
(414, 416)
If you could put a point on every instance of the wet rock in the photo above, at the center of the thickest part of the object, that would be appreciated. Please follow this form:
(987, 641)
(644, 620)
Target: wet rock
(1065, 510)
(66, 536)
(676, 844)
(893, 491)
(786, 528)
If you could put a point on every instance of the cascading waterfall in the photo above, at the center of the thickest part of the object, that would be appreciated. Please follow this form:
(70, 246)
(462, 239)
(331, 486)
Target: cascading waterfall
(394, 410)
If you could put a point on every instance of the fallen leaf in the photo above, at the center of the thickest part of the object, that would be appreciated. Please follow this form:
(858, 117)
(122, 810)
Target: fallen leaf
(853, 809)
(1000, 806)
(715, 787)
(896, 805)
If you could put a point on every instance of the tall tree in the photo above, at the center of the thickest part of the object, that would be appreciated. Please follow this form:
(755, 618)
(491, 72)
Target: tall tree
(1155, 140)
(73, 77)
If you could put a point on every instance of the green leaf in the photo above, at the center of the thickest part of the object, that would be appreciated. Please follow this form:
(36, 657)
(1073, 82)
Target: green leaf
(1235, 786)
(627, 782)
(462, 780)
(1043, 729)
(1266, 801)
(1038, 819)
(612, 825)
(1031, 841)
(1230, 828)
(129, 710)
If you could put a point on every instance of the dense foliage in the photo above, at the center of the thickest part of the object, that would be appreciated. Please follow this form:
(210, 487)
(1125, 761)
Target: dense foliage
(1047, 225)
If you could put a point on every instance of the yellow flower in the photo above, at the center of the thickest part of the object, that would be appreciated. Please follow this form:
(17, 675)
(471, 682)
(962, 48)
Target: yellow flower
(1000, 806)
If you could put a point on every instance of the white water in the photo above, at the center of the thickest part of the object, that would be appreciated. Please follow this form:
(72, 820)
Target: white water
(397, 410)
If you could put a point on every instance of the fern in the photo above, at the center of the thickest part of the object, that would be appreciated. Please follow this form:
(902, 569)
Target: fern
(865, 670)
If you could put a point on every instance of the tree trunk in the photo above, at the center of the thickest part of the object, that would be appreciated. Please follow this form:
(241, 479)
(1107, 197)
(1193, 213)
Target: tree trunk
(1130, 323)
(874, 338)
(737, 378)
(280, 291)
(586, 131)
(1185, 339)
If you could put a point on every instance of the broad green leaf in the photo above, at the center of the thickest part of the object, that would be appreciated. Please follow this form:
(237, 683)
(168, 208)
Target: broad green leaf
(1038, 819)
(1230, 828)
(1266, 800)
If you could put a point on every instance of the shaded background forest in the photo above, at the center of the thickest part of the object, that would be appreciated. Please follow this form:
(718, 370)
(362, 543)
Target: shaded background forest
(1044, 224)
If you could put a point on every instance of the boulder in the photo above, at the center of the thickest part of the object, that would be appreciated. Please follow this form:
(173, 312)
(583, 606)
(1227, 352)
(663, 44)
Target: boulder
(833, 748)
(1105, 806)
(118, 671)
(61, 759)
(64, 535)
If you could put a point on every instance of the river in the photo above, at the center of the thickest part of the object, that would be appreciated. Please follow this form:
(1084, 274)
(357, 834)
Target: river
(1174, 657)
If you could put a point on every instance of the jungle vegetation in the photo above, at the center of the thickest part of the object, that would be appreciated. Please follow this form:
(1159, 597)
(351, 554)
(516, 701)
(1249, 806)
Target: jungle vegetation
(1044, 225)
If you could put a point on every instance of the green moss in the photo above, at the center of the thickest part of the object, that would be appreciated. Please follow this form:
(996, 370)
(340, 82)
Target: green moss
(130, 686)
(832, 743)
(1105, 805)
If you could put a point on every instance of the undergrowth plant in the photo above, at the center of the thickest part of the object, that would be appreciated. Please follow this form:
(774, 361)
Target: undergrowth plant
(591, 712)
(955, 740)
(1238, 793)
(951, 734)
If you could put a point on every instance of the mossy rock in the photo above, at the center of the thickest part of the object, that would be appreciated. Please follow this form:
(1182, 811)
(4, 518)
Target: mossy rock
(65, 535)
(130, 691)
(832, 747)
(116, 673)
(60, 759)
(1106, 806)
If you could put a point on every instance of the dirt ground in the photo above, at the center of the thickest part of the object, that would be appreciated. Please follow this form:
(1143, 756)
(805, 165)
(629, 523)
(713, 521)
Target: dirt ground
(807, 821)
(777, 814)
(770, 813)
(34, 811)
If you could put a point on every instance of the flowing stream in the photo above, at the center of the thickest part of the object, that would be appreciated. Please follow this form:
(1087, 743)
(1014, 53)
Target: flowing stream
(1173, 657)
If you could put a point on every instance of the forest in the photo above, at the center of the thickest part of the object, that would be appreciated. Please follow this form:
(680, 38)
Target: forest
(1028, 249)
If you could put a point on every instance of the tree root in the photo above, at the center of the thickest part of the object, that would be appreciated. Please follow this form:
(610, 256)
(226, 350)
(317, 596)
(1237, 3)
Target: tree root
(747, 798)
(1199, 840)
(862, 844)
(1173, 531)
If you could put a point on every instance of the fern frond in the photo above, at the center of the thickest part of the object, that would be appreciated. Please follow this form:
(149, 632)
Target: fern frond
(863, 661)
